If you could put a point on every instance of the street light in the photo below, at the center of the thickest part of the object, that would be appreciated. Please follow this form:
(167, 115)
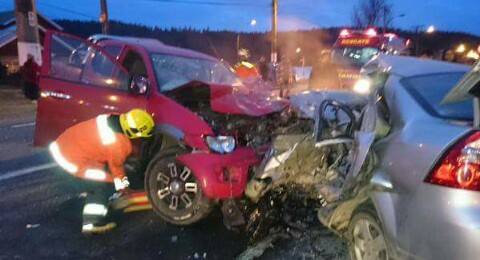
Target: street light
(253, 22)
(430, 29)
(461, 48)
(421, 28)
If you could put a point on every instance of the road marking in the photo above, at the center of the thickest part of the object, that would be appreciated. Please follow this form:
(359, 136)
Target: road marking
(23, 125)
(26, 171)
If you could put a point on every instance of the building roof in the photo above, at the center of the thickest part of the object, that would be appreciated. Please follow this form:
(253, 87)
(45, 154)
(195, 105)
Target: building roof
(8, 33)
(7, 17)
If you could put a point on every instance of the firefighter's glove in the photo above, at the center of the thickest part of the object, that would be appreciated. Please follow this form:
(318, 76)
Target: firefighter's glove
(121, 184)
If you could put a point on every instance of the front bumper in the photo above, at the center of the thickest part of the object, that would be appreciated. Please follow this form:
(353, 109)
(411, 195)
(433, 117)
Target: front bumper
(221, 176)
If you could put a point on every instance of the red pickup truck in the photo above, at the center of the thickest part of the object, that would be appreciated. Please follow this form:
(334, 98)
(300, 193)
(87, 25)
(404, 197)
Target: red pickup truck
(209, 129)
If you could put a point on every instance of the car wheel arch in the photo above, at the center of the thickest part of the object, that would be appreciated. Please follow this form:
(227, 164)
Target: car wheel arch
(371, 206)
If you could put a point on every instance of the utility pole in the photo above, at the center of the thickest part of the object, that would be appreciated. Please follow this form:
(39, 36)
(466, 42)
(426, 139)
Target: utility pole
(28, 39)
(417, 39)
(104, 16)
(274, 53)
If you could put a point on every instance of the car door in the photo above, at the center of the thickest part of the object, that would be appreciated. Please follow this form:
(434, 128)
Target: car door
(79, 81)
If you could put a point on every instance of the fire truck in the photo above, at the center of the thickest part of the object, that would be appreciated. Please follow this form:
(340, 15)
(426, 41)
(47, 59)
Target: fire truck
(354, 48)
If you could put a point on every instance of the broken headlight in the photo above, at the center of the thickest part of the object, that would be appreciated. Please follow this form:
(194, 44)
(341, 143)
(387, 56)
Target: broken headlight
(363, 86)
(221, 144)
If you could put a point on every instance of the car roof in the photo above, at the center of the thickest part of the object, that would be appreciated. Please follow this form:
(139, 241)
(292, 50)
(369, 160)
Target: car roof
(151, 45)
(405, 66)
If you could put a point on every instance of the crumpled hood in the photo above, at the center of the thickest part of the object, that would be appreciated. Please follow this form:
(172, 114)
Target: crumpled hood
(241, 101)
(227, 99)
(305, 103)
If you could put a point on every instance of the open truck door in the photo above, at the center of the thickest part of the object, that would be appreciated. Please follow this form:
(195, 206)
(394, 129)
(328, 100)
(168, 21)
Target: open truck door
(78, 81)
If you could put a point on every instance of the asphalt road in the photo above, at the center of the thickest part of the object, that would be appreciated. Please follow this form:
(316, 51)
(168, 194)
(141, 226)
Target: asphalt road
(41, 216)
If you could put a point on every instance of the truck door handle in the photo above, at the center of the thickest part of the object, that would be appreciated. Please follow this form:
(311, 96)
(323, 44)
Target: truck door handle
(56, 94)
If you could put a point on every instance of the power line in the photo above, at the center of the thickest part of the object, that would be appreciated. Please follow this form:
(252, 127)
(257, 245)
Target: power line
(66, 10)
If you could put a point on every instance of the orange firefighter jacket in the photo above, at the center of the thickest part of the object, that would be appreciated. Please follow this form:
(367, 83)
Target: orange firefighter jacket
(246, 70)
(86, 148)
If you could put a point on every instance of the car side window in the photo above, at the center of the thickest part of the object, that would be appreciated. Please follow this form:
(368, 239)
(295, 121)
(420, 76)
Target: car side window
(134, 64)
(76, 60)
(114, 51)
(67, 57)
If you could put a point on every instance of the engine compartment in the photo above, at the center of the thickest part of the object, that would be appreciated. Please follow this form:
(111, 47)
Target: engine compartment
(251, 131)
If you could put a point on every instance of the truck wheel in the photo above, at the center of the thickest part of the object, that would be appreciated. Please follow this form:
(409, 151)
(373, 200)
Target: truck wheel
(366, 237)
(175, 193)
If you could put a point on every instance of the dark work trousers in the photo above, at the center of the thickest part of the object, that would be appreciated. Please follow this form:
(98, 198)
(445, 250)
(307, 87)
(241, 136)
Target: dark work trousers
(95, 209)
(30, 90)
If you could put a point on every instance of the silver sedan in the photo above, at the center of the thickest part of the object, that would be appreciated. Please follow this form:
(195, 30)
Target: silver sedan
(425, 202)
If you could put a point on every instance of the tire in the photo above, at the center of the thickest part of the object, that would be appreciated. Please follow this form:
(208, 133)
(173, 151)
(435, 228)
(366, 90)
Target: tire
(366, 237)
(176, 196)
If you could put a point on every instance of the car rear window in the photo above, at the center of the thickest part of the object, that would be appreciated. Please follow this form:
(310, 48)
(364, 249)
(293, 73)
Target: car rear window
(429, 91)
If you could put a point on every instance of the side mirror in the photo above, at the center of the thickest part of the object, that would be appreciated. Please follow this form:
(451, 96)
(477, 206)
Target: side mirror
(139, 85)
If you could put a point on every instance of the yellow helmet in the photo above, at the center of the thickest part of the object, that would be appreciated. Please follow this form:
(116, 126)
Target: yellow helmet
(137, 123)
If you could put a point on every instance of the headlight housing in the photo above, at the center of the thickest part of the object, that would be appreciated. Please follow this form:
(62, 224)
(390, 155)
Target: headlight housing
(221, 144)
(363, 86)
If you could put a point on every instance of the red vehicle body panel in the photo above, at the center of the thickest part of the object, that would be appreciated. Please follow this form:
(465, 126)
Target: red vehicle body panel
(64, 103)
(76, 101)
(168, 112)
(222, 176)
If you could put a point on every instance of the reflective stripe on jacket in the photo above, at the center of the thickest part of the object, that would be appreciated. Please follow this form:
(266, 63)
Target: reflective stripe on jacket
(86, 148)
(246, 70)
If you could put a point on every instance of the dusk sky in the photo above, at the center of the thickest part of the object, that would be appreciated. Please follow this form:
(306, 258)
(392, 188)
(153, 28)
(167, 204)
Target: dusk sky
(448, 15)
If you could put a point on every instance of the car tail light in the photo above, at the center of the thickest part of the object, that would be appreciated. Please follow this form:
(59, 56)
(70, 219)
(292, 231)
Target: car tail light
(460, 166)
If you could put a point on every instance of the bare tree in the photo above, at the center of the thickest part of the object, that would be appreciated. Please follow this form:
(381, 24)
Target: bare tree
(378, 13)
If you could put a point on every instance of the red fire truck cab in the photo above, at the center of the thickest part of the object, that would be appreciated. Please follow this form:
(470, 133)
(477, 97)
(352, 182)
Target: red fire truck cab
(354, 48)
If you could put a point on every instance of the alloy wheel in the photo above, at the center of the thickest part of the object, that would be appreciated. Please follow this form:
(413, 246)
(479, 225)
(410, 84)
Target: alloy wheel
(177, 188)
(368, 241)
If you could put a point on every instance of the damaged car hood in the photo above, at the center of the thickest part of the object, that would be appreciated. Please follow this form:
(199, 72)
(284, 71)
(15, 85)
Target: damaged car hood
(228, 99)
(306, 102)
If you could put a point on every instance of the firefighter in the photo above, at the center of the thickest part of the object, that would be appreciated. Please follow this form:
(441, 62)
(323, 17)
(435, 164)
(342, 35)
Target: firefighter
(94, 152)
(244, 69)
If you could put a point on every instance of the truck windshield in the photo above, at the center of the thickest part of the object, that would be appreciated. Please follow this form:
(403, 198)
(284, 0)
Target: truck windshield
(353, 56)
(174, 71)
(429, 91)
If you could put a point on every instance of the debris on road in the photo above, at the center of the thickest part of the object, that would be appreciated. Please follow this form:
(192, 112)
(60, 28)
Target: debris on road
(259, 248)
(288, 224)
(174, 239)
(197, 256)
(29, 226)
(314, 177)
